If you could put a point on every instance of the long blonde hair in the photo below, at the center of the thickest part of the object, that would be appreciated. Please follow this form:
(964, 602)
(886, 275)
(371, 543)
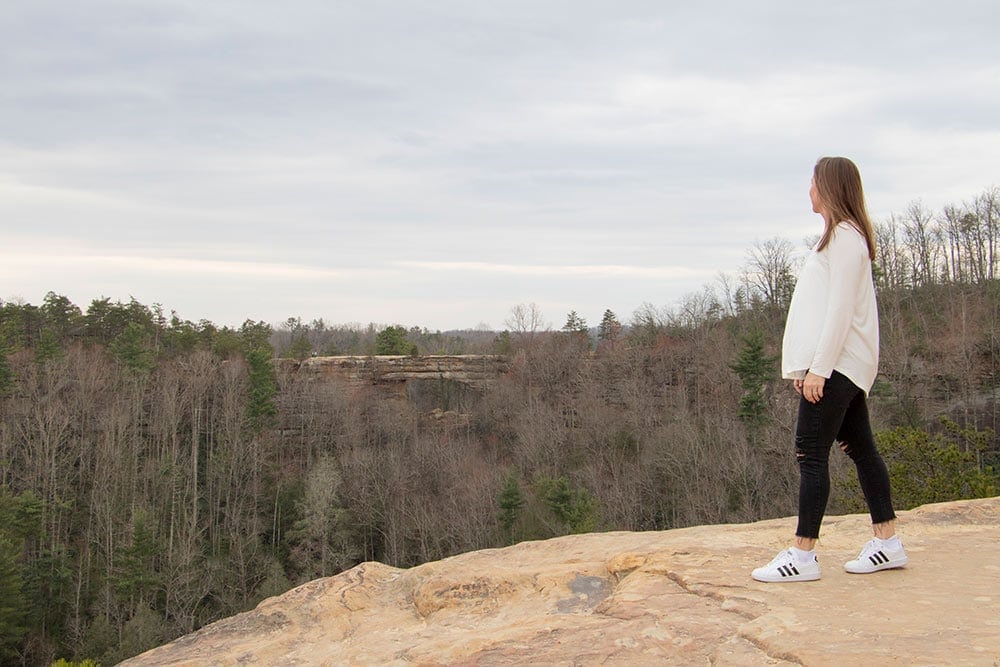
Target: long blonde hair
(838, 182)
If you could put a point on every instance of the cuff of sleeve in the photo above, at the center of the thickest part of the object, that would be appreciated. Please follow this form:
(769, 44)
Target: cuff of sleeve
(821, 371)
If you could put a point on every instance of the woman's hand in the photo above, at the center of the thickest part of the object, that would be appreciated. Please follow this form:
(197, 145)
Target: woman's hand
(811, 387)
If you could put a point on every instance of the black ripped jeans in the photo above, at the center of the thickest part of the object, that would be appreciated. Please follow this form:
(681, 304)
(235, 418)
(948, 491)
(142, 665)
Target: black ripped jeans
(842, 415)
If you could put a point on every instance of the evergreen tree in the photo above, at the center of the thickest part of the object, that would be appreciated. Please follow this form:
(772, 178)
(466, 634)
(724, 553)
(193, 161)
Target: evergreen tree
(61, 316)
(574, 507)
(47, 348)
(925, 468)
(132, 350)
(511, 502)
(20, 325)
(47, 579)
(13, 605)
(300, 348)
(256, 336)
(610, 328)
(181, 336)
(6, 372)
(261, 410)
(136, 576)
(576, 329)
(227, 343)
(20, 520)
(755, 369)
(392, 341)
(502, 343)
(575, 323)
(105, 322)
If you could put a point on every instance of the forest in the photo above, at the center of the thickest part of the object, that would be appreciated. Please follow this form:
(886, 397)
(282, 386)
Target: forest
(157, 474)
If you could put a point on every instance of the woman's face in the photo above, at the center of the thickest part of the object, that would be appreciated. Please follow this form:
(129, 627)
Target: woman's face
(817, 203)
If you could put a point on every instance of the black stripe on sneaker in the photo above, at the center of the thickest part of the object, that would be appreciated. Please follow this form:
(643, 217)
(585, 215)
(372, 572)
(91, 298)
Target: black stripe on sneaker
(788, 570)
(878, 558)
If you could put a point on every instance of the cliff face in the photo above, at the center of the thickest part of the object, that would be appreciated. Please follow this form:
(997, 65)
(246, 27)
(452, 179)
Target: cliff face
(682, 596)
(474, 370)
(444, 382)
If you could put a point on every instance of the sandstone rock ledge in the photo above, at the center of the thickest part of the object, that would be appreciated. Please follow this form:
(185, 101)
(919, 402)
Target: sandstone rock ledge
(675, 597)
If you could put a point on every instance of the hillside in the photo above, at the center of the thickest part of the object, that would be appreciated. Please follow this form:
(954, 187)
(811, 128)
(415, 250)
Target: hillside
(239, 474)
(680, 596)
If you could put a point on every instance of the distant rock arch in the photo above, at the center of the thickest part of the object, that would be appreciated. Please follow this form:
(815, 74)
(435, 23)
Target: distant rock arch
(429, 381)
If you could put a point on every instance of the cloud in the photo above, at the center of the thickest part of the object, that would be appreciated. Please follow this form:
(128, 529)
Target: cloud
(167, 266)
(564, 271)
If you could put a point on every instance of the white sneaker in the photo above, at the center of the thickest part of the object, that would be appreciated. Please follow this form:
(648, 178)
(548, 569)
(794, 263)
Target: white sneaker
(874, 557)
(787, 567)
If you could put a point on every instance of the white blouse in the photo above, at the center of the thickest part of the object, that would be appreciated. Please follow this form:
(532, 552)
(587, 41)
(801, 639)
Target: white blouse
(833, 319)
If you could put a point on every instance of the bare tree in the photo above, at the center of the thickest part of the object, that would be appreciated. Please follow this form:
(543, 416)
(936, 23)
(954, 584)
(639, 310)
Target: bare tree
(768, 271)
(922, 244)
(986, 208)
(890, 261)
(696, 309)
(526, 321)
(958, 263)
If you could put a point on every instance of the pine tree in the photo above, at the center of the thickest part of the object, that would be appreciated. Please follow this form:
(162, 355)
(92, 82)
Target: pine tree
(255, 336)
(61, 316)
(755, 369)
(47, 348)
(131, 349)
(392, 341)
(13, 606)
(511, 502)
(932, 468)
(576, 329)
(136, 576)
(575, 323)
(610, 328)
(20, 518)
(261, 409)
(6, 372)
(574, 507)
(300, 347)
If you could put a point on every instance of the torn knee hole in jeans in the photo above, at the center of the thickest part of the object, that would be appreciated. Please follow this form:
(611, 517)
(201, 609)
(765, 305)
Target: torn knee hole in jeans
(800, 455)
(845, 447)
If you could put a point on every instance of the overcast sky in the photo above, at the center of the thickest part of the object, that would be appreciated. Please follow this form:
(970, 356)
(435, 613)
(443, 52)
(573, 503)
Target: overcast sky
(437, 163)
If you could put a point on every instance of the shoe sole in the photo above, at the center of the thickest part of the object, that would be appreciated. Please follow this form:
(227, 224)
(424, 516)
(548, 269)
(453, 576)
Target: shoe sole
(788, 580)
(891, 565)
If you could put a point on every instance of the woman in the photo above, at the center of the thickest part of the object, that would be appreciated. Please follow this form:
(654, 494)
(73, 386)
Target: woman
(830, 352)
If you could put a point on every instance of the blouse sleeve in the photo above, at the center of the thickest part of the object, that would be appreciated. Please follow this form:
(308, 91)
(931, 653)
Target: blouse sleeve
(847, 260)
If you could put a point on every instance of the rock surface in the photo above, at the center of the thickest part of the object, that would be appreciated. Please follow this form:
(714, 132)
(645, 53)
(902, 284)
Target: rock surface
(475, 370)
(675, 597)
